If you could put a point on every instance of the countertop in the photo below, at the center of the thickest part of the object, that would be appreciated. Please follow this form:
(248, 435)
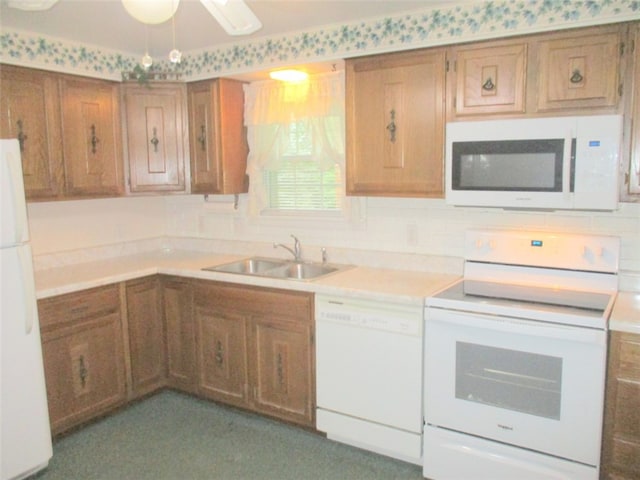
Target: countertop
(625, 316)
(407, 287)
(399, 286)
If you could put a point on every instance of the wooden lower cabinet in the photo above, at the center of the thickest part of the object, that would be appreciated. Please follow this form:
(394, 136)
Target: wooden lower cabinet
(145, 326)
(177, 299)
(256, 350)
(83, 355)
(621, 443)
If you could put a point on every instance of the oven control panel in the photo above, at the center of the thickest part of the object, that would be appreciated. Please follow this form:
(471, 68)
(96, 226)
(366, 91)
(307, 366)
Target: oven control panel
(594, 253)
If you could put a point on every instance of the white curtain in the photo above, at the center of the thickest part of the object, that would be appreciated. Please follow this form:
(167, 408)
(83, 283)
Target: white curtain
(271, 106)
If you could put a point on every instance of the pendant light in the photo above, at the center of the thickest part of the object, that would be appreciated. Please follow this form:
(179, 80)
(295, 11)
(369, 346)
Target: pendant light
(175, 55)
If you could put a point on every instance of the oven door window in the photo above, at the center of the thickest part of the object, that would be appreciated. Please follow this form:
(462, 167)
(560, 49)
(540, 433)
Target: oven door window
(524, 382)
(508, 165)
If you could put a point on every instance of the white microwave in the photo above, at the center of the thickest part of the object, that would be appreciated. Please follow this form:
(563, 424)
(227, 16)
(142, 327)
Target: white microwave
(539, 163)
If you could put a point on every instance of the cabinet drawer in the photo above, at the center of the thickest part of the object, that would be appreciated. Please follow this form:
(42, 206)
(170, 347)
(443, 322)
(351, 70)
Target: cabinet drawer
(78, 306)
(282, 303)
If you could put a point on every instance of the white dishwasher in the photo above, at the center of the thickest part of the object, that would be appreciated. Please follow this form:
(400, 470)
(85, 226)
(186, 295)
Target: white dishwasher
(369, 375)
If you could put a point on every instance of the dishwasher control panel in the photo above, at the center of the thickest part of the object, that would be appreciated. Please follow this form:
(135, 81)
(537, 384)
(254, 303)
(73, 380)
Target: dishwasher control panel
(390, 317)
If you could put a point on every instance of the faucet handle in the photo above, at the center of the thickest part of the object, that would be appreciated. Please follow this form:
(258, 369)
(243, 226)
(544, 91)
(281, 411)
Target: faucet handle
(296, 247)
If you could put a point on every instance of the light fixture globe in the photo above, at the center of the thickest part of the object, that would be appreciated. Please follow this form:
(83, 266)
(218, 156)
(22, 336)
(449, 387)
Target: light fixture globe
(151, 11)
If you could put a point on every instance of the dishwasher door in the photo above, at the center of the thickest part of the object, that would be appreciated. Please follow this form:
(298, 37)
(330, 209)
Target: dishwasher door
(369, 374)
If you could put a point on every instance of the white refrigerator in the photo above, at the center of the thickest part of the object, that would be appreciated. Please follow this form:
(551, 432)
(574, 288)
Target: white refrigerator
(25, 445)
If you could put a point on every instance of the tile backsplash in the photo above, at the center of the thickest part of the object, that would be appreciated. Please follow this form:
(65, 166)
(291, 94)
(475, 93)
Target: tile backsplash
(412, 234)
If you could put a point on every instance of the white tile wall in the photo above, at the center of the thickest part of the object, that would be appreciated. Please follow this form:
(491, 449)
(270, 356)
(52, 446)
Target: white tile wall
(421, 233)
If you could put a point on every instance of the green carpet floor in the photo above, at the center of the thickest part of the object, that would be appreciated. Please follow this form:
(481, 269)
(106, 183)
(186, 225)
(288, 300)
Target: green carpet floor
(176, 437)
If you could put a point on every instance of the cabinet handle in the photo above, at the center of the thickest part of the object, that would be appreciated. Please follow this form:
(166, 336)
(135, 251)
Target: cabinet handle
(22, 137)
(576, 77)
(219, 354)
(488, 85)
(280, 369)
(94, 139)
(392, 126)
(202, 138)
(83, 371)
(154, 140)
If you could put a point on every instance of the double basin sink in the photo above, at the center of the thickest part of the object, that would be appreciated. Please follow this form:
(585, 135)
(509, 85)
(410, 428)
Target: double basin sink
(278, 268)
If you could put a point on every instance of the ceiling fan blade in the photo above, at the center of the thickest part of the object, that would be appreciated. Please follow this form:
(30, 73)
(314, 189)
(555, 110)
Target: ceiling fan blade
(32, 5)
(234, 16)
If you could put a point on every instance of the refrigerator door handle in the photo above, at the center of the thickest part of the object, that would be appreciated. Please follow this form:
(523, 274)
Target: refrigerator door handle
(17, 191)
(30, 307)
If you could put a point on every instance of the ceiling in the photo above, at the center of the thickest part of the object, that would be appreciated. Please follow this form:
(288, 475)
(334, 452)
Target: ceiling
(105, 23)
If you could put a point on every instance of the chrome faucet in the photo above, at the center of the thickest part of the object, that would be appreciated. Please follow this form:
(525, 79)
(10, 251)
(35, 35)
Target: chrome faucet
(296, 251)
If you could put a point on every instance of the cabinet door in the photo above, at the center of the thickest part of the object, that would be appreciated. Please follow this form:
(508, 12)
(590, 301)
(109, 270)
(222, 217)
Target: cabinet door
(579, 70)
(395, 124)
(633, 178)
(83, 355)
(283, 369)
(490, 79)
(222, 354)
(92, 137)
(30, 112)
(621, 439)
(156, 137)
(84, 371)
(218, 137)
(177, 296)
(146, 335)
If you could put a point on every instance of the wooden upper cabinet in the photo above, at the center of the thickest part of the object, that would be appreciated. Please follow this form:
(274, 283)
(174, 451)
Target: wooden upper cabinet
(395, 124)
(218, 141)
(632, 176)
(490, 78)
(579, 69)
(91, 137)
(157, 136)
(30, 112)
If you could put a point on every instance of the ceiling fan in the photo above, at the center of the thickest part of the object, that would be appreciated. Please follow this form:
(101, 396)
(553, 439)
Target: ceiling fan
(233, 15)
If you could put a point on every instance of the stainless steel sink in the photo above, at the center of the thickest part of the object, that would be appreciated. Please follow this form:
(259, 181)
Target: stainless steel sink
(249, 266)
(278, 268)
(303, 271)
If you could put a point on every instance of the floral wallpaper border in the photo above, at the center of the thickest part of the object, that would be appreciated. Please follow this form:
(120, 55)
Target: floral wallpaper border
(432, 26)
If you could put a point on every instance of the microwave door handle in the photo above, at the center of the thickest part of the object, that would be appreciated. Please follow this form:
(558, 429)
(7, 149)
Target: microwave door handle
(566, 167)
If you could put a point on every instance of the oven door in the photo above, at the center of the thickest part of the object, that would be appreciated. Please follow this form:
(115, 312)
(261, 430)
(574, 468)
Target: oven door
(532, 384)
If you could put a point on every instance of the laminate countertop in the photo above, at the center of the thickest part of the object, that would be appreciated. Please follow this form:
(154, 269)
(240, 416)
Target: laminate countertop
(400, 286)
(408, 287)
(625, 316)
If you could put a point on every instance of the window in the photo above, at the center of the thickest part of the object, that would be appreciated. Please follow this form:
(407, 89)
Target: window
(296, 144)
(299, 183)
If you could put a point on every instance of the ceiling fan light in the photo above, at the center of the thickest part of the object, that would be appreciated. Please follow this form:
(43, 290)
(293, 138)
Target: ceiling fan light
(151, 11)
(233, 15)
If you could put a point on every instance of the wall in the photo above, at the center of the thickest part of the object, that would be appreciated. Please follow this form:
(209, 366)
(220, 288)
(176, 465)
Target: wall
(71, 225)
(416, 226)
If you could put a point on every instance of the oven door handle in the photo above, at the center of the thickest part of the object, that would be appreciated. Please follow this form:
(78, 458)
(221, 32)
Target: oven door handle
(513, 325)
